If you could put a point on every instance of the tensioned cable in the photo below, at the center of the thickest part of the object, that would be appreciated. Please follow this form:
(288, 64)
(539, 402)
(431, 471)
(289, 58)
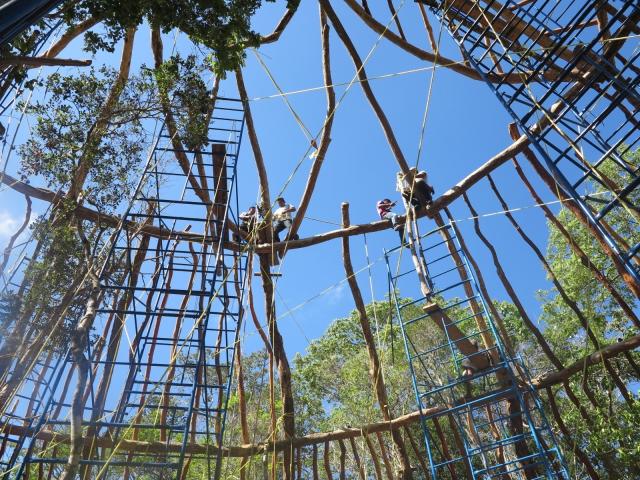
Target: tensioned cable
(459, 220)
(328, 117)
(413, 223)
(407, 72)
(297, 118)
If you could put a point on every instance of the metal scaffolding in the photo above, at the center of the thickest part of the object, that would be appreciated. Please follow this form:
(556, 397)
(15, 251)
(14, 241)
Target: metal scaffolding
(171, 311)
(567, 75)
(496, 417)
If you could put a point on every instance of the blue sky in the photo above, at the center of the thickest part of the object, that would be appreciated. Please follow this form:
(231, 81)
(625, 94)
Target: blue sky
(465, 126)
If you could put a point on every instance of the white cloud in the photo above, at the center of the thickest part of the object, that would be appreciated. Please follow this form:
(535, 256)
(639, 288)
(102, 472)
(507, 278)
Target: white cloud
(8, 224)
(337, 294)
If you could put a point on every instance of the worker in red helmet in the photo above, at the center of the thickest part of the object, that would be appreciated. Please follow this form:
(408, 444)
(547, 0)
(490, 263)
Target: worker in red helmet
(384, 207)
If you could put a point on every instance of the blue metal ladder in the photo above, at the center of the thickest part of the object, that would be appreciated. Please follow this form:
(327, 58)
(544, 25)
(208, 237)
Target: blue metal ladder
(495, 416)
(173, 342)
(531, 55)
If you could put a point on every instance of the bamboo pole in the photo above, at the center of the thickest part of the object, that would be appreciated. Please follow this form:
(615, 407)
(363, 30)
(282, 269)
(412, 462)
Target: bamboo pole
(375, 370)
(326, 461)
(366, 88)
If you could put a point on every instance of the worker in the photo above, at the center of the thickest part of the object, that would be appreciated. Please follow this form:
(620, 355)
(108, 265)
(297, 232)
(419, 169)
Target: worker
(421, 194)
(247, 221)
(282, 218)
(384, 207)
(469, 368)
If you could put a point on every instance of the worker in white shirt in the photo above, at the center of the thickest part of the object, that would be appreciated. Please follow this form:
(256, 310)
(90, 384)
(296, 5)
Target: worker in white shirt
(282, 218)
(247, 222)
(421, 194)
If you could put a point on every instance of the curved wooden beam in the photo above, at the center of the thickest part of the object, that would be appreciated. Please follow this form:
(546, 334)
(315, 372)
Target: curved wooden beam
(437, 59)
(71, 34)
(410, 48)
(277, 31)
(366, 88)
(325, 139)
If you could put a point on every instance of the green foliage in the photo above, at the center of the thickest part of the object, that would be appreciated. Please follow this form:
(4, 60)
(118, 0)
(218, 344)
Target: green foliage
(609, 435)
(10, 303)
(179, 79)
(606, 318)
(333, 387)
(22, 45)
(224, 26)
(64, 122)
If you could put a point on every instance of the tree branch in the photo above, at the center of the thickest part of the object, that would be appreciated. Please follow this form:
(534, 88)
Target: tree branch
(548, 379)
(282, 24)
(326, 132)
(375, 371)
(366, 88)
(441, 202)
(70, 35)
(265, 199)
(540, 382)
(34, 62)
(98, 129)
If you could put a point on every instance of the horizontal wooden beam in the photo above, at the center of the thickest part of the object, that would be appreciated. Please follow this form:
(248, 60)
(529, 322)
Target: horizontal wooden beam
(439, 203)
(553, 378)
(34, 62)
(142, 447)
(542, 381)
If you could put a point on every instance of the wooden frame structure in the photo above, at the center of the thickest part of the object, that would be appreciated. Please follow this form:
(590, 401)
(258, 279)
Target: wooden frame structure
(569, 77)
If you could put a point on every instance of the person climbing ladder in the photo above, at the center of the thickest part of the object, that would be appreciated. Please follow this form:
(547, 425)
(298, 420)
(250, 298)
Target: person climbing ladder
(384, 207)
(247, 222)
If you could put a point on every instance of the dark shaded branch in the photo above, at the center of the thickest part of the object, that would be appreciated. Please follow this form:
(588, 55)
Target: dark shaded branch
(571, 303)
(396, 19)
(510, 290)
(35, 62)
(568, 202)
(584, 259)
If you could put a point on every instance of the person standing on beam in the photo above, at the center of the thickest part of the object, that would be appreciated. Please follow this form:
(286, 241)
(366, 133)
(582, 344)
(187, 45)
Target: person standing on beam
(415, 188)
(384, 210)
(282, 218)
